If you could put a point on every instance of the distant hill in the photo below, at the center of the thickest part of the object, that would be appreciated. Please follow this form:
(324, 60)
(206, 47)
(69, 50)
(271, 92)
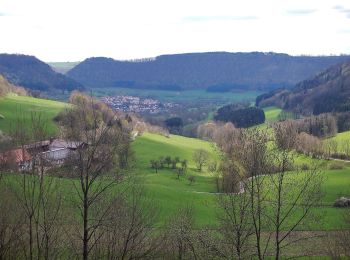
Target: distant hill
(219, 71)
(329, 91)
(63, 67)
(29, 72)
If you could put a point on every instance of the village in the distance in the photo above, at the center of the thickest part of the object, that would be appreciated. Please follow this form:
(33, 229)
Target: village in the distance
(137, 104)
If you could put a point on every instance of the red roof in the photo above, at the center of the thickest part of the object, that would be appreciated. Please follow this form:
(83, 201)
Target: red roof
(16, 155)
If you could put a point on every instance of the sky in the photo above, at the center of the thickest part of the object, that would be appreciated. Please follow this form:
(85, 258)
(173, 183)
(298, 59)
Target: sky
(73, 30)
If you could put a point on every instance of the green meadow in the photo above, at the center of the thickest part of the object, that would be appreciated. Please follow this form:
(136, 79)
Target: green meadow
(342, 137)
(180, 96)
(170, 193)
(272, 113)
(165, 189)
(13, 106)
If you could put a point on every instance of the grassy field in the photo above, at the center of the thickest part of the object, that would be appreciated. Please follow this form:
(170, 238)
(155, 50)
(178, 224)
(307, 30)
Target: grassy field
(272, 113)
(63, 67)
(342, 137)
(12, 106)
(180, 96)
(171, 193)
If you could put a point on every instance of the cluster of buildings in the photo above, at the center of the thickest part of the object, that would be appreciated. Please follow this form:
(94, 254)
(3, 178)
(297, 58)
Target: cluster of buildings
(136, 104)
(51, 152)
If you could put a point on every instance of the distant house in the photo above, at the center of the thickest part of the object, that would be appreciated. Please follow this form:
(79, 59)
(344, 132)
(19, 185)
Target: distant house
(38, 147)
(16, 158)
(50, 152)
(59, 150)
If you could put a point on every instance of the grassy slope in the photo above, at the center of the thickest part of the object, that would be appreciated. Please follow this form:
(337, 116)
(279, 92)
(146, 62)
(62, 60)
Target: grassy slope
(170, 193)
(12, 106)
(164, 187)
(167, 190)
(272, 113)
(342, 137)
(180, 96)
(63, 67)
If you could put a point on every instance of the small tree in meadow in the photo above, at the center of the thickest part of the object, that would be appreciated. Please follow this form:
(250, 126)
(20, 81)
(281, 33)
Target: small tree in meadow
(167, 160)
(191, 179)
(184, 165)
(200, 157)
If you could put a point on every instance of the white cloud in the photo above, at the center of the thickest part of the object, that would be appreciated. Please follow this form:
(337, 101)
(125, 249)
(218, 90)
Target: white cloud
(62, 30)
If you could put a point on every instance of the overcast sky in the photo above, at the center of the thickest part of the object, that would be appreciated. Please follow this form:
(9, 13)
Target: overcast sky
(72, 30)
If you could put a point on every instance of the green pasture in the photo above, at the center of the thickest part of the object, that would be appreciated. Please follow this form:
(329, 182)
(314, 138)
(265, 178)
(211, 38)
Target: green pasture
(13, 106)
(180, 96)
(272, 113)
(170, 193)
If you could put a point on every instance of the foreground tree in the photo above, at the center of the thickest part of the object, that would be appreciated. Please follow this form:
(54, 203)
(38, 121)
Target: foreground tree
(236, 229)
(126, 233)
(180, 238)
(100, 139)
(38, 197)
(269, 197)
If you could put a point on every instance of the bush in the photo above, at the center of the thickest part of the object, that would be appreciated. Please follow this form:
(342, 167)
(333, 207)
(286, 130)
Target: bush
(343, 202)
(336, 166)
(191, 179)
(305, 167)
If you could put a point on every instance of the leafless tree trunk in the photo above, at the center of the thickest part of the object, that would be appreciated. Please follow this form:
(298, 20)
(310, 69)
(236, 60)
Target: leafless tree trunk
(34, 191)
(128, 229)
(10, 223)
(180, 237)
(279, 197)
(100, 139)
(292, 197)
(236, 228)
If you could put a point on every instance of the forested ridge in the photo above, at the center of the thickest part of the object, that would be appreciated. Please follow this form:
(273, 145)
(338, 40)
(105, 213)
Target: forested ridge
(30, 72)
(216, 70)
(329, 91)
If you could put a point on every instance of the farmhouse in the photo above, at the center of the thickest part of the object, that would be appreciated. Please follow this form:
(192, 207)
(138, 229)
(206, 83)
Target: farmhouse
(19, 159)
(59, 150)
(50, 152)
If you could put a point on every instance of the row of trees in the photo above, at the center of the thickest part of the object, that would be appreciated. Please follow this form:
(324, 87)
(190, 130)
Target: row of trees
(171, 163)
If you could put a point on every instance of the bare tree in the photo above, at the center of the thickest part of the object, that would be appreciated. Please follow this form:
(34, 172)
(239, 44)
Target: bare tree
(278, 200)
(127, 232)
(100, 137)
(337, 243)
(286, 135)
(200, 157)
(292, 196)
(236, 228)
(180, 238)
(10, 224)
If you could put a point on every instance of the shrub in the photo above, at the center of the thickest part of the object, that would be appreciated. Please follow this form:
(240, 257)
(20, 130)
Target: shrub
(336, 166)
(305, 167)
(342, 202)
(191, 179)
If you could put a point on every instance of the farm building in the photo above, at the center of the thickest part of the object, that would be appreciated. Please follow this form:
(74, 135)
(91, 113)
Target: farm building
(19, 159)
